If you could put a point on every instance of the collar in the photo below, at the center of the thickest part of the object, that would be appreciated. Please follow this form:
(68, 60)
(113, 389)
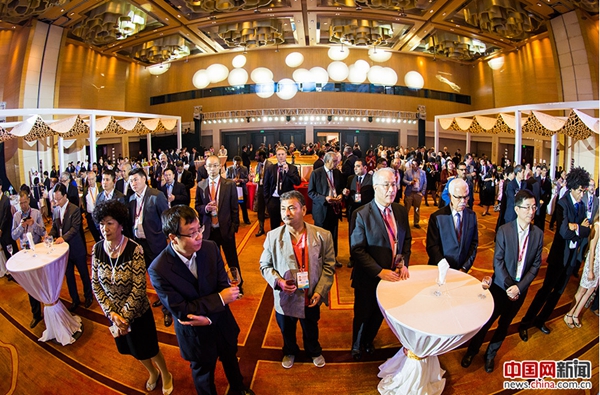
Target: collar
(141, 195)
(185, 260)
(382, 208)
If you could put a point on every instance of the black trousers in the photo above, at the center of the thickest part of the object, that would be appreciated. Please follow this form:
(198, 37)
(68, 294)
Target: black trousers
(229, 249)
(310, 332)
(244, 208)
(259, 197)
(546, 299)
(36, 307)
(367, 318)
(203, 369)
(506, 310)
(540, 219)
(274, 210)
(331, 224)
(149, 256)
(78, 261)
(92, 227)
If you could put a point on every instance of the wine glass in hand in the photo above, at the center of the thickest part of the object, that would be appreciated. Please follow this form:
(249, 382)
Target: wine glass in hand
(9, 249)
(486, 282)
(234, 277)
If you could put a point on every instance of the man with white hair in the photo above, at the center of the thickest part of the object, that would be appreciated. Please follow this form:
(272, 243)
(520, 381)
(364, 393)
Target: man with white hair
(452, 231)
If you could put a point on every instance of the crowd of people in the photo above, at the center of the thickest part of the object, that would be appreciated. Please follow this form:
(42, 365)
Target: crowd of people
(139, 214)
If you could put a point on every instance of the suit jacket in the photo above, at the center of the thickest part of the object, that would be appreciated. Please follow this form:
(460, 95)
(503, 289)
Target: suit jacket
(116, 195)
(228, 207)
(348, 166)
(533, 186)
(545, 190)
(506, 255)
(241, 173)
(594, 208)
(73, 194)
(442, 240)
(318, 190)
(70, 229)
(180, 192)
(278, 261)
(155, 203)
(370, 244)
(6, 218)
(187, 179)
(511, 190)
(367, 193)
(182, 294)
(120, 186)
(565, 214)
(318, 163)
(288, 180)
(84, 195)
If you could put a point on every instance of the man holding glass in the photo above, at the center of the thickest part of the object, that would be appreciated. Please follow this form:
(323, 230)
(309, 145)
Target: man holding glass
(298, 263)
(517, 259)
(190, 279)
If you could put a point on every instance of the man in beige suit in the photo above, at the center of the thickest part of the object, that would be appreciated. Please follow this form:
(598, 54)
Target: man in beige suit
(298, 262)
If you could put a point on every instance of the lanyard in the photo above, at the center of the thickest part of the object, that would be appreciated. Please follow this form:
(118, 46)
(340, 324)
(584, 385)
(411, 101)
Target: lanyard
(139, 210)
(302, 242)
(331, 186)
(522, 250)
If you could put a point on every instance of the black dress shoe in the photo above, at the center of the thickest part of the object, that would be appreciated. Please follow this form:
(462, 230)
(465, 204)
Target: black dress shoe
(545, 330)
(247, 391)
(356, 354)
(337, 264)
(168, 320)
(260, 233)
(88, 303)
(74, 306)
(523, 334)
(489, 365)
(350, 264)
(418, 226)
(10, 278)
(466, 361)
(370, 349)
(157, 303)
(247, 222)
(35, 321)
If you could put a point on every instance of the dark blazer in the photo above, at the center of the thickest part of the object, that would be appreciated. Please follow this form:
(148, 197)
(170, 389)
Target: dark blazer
(70, 229)
(442, 241)
(289, 179)
(506, 255)
(155, 203)
(318, 163)
(73, 194)
(228, 207)
(318, 190)
(534, 187)
(511, 190)
(120, 186)
(586, 200)
(180, 192)
(565, 214)
(182, 294)
(241, 173)
(187, 179)
(116, 195)
(348, 166)
(6, 219)
(370, 244)
(367, 193)
(545, 190)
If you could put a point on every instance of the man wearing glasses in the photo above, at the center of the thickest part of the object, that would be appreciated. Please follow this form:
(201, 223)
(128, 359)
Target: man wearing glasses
(190, 279)
(461, 172)
(452, 232)
(573, 227)
(380, 250)
(517, 259)
(511, 191)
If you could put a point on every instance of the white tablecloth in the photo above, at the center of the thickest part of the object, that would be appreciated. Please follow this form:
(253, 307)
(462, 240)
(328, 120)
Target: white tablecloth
(428, 326)
(2, 263)
(42, 277)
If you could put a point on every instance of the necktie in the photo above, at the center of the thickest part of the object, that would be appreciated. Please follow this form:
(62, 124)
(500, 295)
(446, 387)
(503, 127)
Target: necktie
(170, 189)
(358, 184)
(390, 226)
(590, 203)
(213, 197)
(577, 208)
(458, 227)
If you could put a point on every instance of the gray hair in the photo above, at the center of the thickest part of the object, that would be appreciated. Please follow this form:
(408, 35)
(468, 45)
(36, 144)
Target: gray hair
(378, 175)
(329, 156)
(455, 183)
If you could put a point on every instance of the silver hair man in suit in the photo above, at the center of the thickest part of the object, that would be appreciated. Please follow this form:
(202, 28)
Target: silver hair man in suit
(298, 263)
(517, 259)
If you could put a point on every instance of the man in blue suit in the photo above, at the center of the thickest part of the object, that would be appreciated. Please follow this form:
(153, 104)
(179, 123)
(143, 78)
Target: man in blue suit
(452, 232)
(573, 228)
(517, 259)
(190, 279)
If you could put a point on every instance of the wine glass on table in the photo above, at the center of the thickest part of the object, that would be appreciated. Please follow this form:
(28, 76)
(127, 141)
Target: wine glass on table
(439, 283)
(9, 249)
(234, 277)
(486, 282)
(48, 242)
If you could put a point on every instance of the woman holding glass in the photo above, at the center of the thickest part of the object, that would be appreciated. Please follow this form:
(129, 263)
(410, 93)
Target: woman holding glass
(119, 283)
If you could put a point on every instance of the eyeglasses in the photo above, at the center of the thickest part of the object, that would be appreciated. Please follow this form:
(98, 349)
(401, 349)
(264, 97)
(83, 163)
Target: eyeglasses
(387, 186)
(213, 165)
(193, 235)
(529, 208)
(461, 197)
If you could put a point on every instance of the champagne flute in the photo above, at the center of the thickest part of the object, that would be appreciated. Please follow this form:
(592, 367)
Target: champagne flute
(234, 277)
(48, 241)
(9, 249)
(486, 282)
(439, 283)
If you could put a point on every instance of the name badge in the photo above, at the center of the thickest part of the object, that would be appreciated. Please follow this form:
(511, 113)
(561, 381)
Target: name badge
(357, 197)
(302, 280)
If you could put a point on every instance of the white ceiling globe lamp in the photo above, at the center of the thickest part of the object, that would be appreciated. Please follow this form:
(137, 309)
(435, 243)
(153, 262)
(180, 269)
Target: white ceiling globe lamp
(286, 89)
(414, 80)
(338, 71)
(338, 53)
(356, 75)
(265, 89)
(217, 72)
(261, 75)
(496, 63)
(375, 75)
(238, 61)
(201, 79)
(389, 76)
(158, 69)
(302, 76)
(319, 75)
(379, 55)
(294, 59)
(362, 65)
(237, 77)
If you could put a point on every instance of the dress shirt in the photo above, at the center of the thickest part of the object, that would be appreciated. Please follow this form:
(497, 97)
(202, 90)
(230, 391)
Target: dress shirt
(108, 195)
(139, 202)
(522, 251)
(91, 198)
(189, 263)
(330, 182)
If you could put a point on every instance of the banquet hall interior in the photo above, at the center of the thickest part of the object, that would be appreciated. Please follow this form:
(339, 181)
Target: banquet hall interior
(84, 80)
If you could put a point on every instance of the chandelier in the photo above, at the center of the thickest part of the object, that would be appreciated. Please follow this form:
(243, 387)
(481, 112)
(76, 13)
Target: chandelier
(455, 47)
(588, 5)
(162, 50)
(360, 32)
(388, 4)
(503, 17)
(17, 11)
(110, 22)
(253, 33)
(212, 6)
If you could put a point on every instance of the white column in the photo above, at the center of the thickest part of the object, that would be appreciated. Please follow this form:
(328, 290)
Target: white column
(436, 135)
(309, 134)
(92, 139)
(149, 146)
(518, 138)
(553, 155)
(61, 154)
(179, 142)
(468, 144)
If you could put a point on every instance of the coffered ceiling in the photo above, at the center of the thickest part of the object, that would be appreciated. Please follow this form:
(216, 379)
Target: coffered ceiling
(152, 32)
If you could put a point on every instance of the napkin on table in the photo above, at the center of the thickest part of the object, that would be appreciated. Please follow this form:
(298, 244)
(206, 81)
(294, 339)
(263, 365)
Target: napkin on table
(443, 267)
(30, 240)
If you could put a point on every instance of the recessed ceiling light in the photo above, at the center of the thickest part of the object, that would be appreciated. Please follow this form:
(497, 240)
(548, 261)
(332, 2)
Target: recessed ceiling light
(166, 19)
(178, 16)
(431, 11)
(71, 14)
(457, 25)
(444, 14)
(62, 10)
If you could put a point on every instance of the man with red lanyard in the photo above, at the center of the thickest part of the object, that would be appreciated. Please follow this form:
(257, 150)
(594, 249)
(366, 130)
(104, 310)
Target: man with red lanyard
(300, 276)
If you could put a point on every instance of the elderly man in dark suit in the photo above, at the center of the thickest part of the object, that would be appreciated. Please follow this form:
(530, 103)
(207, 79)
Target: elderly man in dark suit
(511, 191)
(279, 178)
(573, 228)
(190, 279)
(517, 259)
(452, 232)
(122, 184)
(239, 174)
(175, 192)
(72, 193)
(380, 250)
(217, 205)
(348, 162)
(66, 224)
(325, 189)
